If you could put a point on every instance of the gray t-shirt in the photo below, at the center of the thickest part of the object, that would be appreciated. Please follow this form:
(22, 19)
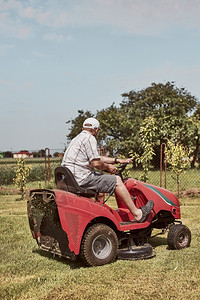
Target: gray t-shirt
(80, 152)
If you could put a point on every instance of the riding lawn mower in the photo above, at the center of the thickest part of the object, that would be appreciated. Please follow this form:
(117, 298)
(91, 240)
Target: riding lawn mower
(69, 221)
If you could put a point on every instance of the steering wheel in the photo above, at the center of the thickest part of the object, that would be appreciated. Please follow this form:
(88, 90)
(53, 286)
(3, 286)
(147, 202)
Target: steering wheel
(120, 169)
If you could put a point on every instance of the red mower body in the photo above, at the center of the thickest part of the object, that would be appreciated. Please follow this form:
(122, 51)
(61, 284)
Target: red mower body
(76, 212)
(59, 219)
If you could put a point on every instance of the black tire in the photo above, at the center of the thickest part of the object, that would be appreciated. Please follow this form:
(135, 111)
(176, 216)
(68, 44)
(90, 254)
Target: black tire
(99, 245)
(179, 237)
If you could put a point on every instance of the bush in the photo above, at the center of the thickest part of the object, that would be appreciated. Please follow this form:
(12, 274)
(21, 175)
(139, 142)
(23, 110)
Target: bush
(37, 173)
(6, 175)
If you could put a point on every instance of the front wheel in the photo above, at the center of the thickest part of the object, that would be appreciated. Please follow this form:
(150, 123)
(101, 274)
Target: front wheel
(179, 237)
(99, 245)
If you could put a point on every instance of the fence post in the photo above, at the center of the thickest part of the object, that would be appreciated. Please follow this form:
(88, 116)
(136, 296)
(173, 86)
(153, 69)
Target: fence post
(161, 163)
(101, 150)
(45, 161)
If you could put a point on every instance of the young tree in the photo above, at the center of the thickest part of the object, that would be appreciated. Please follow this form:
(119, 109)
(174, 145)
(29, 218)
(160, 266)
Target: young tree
(147, 135)
(178, 157)
(22, 173)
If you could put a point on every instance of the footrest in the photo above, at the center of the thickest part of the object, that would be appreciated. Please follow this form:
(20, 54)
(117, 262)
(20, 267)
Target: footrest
(127, 223)
(131, 225)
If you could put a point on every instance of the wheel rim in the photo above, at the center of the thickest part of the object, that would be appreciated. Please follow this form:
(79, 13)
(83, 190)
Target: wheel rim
(183, 239)
(101, 247)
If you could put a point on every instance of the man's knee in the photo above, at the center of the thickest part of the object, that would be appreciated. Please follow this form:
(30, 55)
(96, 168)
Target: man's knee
(119, 181)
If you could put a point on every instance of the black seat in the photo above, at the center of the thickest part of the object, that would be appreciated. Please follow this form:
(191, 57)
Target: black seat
(65, 180)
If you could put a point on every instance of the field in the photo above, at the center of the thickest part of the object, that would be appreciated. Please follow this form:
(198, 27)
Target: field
(188, 179)
(29, 273)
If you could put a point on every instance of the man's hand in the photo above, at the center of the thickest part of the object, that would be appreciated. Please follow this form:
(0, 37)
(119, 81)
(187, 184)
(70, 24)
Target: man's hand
(123, 161)
(111, 169)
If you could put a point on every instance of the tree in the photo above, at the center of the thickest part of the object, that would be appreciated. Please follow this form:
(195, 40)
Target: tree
(171, 108)
(116, 130)
(195, 136)
(77, 123)
(40, 153)
(57, 154)
(8, 154)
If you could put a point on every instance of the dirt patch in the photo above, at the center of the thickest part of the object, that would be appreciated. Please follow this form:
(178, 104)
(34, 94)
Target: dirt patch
(5, 190)
(193, 192)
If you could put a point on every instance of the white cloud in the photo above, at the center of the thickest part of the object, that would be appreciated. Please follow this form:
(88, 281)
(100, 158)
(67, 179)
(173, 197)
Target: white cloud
(9, 27)
(142, 17)
(54, 37)
(22, 18)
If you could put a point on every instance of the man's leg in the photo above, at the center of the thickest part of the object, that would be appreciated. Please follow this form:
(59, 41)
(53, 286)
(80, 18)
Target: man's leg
(123, 193)
(101, 197)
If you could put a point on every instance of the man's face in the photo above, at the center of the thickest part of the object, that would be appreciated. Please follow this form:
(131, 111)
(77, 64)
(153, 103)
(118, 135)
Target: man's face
(95, 132)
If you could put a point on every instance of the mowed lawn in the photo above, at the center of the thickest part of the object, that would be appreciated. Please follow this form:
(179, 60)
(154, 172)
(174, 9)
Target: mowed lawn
(29, 273)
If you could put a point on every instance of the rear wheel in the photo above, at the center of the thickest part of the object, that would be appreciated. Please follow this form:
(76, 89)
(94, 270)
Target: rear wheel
(179, 237)
(99, 245)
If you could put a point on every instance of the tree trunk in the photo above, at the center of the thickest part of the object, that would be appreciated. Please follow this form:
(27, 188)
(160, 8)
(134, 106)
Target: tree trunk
(195, 153)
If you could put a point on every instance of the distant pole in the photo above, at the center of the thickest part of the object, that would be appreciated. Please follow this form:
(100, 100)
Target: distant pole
(161, 163)
(47, 170)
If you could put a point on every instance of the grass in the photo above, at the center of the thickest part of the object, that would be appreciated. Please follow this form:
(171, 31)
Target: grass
(29, 273)
(188, 179)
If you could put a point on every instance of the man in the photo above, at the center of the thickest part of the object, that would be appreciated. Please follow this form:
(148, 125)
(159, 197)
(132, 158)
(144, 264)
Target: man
(82, 157)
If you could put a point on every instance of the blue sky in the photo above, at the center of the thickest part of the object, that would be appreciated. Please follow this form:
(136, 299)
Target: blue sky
(57, 57)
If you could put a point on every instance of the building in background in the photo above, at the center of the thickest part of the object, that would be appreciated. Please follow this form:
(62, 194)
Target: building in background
(23, 154)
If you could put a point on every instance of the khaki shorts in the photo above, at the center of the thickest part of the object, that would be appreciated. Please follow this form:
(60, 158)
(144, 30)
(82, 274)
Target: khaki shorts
(102, 183)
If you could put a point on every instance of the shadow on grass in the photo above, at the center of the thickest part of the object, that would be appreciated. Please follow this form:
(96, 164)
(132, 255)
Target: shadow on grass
(77, 264)
(73, 264)
(158, 241)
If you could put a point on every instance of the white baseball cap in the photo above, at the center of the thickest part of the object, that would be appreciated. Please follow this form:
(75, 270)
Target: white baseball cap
(91, 123)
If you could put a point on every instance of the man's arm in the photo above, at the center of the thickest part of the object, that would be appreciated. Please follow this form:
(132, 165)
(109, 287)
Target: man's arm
(108, 163)
(112, 160)
(104, 166)
(108, 160)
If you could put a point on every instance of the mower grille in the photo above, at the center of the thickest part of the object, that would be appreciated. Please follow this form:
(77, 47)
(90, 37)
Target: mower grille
(45, 223)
